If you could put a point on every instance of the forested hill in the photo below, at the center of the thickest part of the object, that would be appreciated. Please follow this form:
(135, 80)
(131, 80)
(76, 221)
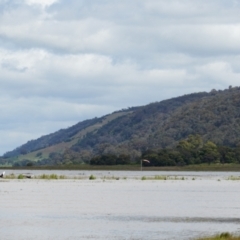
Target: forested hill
(215, 116)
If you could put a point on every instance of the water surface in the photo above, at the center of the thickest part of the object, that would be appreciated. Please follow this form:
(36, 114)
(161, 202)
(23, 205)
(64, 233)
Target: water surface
(124, 209)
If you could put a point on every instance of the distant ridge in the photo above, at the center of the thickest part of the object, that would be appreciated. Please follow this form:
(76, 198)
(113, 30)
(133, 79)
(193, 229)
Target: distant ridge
(214, 116)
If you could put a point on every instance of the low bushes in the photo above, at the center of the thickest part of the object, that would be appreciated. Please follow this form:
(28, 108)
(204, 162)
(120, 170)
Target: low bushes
(92, 177)
(222, 236)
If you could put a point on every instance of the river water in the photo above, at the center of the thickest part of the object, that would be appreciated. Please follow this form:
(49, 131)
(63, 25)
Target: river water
(128, 208)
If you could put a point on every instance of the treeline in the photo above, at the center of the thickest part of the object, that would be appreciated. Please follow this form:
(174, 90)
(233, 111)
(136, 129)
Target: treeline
(188, 151)
(192, 151)
(111, 160)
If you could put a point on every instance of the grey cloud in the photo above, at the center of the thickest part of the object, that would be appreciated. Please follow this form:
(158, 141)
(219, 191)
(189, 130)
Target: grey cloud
(98, 32)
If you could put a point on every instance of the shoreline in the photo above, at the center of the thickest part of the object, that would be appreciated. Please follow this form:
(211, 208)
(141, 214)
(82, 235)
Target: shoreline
(188, 168)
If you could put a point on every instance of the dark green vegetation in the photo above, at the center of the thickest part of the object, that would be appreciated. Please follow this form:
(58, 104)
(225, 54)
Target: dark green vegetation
(191, 129)
(92, 177)
(192, 151)
(222, 236)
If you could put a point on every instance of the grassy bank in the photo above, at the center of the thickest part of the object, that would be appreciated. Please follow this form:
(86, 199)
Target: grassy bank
(222, 236)
(201, 167)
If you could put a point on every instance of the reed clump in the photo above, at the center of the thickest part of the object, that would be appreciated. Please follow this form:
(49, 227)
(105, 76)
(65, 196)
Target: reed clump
(157, 177)
(234, 178)
(62, 177)
(10, 176)
(160, 177)
(49, 177)
(222, 236)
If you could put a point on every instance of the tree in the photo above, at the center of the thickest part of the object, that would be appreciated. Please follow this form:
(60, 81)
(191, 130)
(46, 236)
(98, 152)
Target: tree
(123, 159)
(227, 154)
(209, 153)
(189, 148)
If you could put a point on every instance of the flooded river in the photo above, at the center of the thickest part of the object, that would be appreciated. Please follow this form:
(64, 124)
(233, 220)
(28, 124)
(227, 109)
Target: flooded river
(128, 208)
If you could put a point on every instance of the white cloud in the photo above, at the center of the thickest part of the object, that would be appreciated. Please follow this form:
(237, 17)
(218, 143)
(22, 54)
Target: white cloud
(42, 3)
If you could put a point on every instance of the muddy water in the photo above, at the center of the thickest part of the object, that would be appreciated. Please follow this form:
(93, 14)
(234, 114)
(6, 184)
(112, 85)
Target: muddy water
(123, 209)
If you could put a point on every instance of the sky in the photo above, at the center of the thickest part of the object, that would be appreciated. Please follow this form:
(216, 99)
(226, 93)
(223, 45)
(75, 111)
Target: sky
(65, 61)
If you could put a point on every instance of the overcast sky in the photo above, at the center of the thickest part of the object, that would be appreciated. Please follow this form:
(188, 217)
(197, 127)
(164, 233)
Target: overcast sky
(64, 61)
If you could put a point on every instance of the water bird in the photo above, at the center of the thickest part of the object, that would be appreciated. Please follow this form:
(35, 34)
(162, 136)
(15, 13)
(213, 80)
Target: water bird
(145, 160)
(1, 175)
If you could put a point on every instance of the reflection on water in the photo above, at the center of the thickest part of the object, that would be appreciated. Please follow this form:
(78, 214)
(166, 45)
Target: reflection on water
(124, 209)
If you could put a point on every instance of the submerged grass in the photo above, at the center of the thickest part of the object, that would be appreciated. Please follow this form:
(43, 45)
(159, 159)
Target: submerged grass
(43, 176)
(112, 178)
(59, 177)
(159, 177)
(222, 236)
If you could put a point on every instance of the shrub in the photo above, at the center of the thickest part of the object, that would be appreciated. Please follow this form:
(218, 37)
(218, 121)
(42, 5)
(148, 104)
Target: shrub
(92, 177)
(225, 235)
(20, 176)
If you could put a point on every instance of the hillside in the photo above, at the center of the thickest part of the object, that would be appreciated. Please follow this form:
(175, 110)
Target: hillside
(215, 116)
(65, 138)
